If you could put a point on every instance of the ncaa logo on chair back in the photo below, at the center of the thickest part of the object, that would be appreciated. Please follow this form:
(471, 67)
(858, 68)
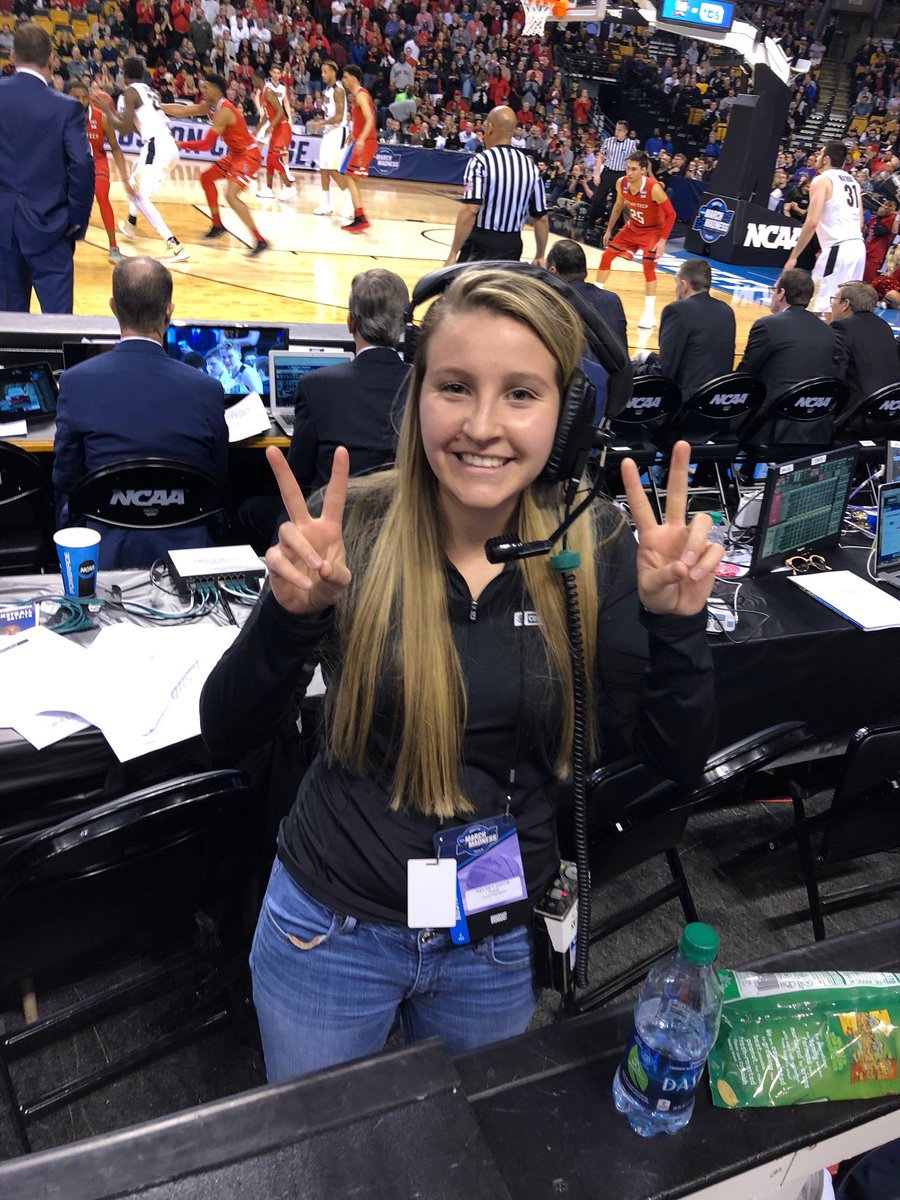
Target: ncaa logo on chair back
(145, 498)
(812, 402)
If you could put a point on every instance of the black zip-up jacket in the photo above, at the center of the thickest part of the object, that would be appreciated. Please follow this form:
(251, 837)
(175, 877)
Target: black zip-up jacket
(343, 845)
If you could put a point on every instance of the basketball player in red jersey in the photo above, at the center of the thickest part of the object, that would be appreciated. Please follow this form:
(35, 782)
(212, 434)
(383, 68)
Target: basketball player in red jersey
(362, 149)
(271, 100)
(650, 220)
(100, 132)
(239, 166)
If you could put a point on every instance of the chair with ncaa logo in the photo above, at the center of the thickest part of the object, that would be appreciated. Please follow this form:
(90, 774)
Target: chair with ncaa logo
(875, 419)
(797, 423)
(709, 421)
(145, 506)
(639, 430)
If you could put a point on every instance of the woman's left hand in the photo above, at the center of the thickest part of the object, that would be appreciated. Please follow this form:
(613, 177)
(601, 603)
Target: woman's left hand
(676, 565)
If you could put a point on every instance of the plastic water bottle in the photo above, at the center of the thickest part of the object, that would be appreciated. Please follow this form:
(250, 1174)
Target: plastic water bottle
(676, 1020)
(719, 530)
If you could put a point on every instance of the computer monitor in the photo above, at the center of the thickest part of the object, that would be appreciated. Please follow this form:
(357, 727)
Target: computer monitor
(892, 468)
(27, 392)
(236, 355)
(802, 507)
(75, 353)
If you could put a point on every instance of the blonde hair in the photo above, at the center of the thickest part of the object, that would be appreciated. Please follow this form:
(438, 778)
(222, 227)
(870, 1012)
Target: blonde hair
(393, 623)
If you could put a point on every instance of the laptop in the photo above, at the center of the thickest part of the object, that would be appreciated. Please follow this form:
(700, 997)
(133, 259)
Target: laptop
(887, 537)
(286, 369)
(75, 353)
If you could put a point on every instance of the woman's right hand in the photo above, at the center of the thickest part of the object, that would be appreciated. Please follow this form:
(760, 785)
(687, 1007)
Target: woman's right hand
(307, 569)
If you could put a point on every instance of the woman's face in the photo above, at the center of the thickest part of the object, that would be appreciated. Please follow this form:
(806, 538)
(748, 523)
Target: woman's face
(488, 408)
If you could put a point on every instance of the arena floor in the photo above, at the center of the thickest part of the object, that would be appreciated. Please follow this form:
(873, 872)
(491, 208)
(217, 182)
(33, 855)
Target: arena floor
(305, 276)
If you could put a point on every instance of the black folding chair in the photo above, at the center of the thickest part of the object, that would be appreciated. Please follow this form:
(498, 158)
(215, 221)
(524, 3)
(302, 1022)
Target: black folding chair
(26, 511)
(147, 493)
(709, 420)
(140, 873)
(639, 430)
(797, 423)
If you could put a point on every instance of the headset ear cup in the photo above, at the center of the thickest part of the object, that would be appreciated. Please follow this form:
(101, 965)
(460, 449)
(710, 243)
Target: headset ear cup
(576, 415)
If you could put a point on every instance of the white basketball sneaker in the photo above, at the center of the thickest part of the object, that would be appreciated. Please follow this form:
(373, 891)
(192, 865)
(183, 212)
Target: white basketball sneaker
(265, 193)
(324, 210)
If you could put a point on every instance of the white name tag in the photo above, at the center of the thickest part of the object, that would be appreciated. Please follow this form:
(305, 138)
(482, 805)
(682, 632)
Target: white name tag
(431, 893)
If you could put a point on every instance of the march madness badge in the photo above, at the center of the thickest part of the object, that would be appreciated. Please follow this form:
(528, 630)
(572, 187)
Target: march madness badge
(713, 220)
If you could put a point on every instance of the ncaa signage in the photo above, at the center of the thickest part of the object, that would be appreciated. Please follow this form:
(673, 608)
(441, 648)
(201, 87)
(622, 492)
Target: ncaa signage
(640, 403)
(713, 220)
(387, 161)
(728, 399)
(809, 402)
(771, 237)
(733, 230)
(145, 498)
(889, 406)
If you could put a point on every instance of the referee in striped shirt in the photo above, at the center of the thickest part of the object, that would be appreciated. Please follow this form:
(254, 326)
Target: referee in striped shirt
(615, 151)
(502, 187)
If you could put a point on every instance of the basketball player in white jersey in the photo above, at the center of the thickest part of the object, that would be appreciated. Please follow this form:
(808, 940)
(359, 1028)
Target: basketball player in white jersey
(334, 130)
(141, 114)
(835, 216)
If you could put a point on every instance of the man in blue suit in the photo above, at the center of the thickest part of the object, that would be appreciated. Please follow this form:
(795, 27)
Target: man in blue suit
(137, 402)
(46, 180)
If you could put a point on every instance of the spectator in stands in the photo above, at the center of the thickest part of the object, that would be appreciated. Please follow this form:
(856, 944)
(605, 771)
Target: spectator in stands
(796, 201)
(865, 342)
(880, 233)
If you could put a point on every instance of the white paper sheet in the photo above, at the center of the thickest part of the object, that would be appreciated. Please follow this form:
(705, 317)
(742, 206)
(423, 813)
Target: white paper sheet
(247, 418)
(14, 429)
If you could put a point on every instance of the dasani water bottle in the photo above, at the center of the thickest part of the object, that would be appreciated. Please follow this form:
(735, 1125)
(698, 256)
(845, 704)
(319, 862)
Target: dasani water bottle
(676, 1020)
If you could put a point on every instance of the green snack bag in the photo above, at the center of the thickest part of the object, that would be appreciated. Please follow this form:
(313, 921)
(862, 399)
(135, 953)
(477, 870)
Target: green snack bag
(813, 1035)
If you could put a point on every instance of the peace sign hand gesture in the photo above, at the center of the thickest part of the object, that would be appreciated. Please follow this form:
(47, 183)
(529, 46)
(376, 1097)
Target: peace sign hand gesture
(307, 569)
(676, 565)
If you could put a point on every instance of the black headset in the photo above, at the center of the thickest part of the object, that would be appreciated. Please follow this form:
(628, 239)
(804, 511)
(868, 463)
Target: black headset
(574, 431)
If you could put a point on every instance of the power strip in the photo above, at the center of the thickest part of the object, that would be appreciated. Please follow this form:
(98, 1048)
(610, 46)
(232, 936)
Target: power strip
(187, 568)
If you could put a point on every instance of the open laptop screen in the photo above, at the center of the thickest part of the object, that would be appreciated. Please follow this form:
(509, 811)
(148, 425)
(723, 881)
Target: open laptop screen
(802, 507)
(236, 355)
(887, 557)
(287, 368)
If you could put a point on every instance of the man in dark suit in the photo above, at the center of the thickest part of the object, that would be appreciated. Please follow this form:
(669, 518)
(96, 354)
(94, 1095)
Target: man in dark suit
(355, 404)
(696, 331)
(864, 340)
(786, 348)
(566, 259)
(46, 180)
(137, 402)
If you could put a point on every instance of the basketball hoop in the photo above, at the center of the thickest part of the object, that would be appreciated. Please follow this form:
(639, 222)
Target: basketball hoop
(536, 14)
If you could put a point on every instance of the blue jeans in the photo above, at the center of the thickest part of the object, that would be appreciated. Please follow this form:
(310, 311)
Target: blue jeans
(328, 987)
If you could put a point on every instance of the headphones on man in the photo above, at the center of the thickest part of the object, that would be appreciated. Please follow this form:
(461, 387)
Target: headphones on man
(575, 430)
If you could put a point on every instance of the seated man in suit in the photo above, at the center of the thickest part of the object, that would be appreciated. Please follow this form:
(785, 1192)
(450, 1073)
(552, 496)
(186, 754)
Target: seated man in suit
(786, 348)
(864, 340)
(137, 402)
(355, 404)
(696, 336)
(566, 259)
